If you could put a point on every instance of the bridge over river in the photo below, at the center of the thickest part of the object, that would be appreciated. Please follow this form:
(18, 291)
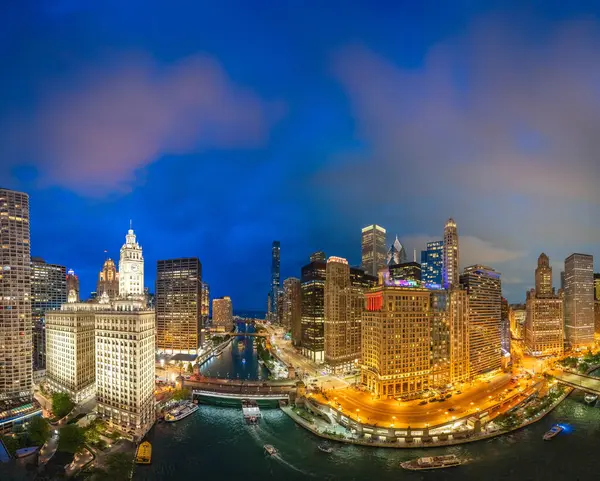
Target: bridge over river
(586, 383)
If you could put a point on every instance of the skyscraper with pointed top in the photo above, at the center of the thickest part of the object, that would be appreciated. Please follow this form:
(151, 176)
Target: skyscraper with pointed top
(396, 254)
(131, 267)
(450, 273)
(273, 298)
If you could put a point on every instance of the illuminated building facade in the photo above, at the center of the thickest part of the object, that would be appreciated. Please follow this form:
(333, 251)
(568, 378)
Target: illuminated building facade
(579, 300)
(71, 351)
(131, 267)
(125, 350)
(205, 306)
(408, 271)
(344, 305)
(597, 303)
(505, 328)
(440, 339)
(72, 286)
(374, 252)
(597, 286)
(458, 320)
(313, 310)
(450, 273)
(222, 313)
(318, 256)
(432, 263)
(396, 253)
(292, 308)
(544, 323)
(273, 309)
(15, 296)
(517, 315)
(48, 292)
(108, 280)
(396, 341)
(178, 305)
(485, 318)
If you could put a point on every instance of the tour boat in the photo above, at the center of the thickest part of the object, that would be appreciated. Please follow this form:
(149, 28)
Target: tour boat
(21, 453)
(324, 448)
(553, 432)
(590, 398)
(433, 462)
(181, 412)
(143, 454)
(251, 411)
(270, 449)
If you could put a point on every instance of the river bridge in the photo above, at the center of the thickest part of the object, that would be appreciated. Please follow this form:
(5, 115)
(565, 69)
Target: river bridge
(586, 383)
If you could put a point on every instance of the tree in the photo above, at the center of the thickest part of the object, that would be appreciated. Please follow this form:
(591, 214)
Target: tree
(190, 368)
(583, 367)
(71, 439)
(181, 394)
(61, 404)
(38, 431)
(118, 466)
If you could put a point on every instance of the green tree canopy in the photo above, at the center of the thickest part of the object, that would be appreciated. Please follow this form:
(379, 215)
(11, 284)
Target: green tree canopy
(61, 404)
(181, 394)
(71, 439)
(190, 368)
(38, 431)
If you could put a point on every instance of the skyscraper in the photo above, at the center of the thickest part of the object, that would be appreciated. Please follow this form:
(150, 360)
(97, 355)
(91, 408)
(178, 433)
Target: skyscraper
(458, 309)
(292, 308)
(205, 307)
(396, 341)
(313, 310)
(597, 303)
(48, 292)
(450, 273)
(108, 280)
(485, 318)
(15, 290)
(543, 277)
(408, 271)
(273, 308)
(222, 313)
(318, 256)
(374, 252)
(597, 286)
(131, 267)
(432, 263)
(440, 339)
(71, 351)
(343, 315)
(579, 300)
(396, 254)
(72, 286)
(178, 305)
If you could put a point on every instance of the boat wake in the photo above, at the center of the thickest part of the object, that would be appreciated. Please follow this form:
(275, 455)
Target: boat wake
(290, 465)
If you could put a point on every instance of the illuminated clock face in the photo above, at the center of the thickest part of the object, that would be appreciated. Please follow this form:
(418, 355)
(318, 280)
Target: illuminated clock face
(134, 268)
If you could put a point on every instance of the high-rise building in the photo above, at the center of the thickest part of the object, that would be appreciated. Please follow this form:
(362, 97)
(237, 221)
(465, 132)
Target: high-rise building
(72, 286)
(396, 254)
(485, 318)
(71, 351)
(318, 256)
(178, 305)
(131, 267)
(273, 308)
(125, 359)
(344, 305)
(222, 313)
(597, 286)
(544, 322)
(48, 292)
(460, 362)
(292, 308)
(396, 341)
(408, 271)
(313, 310)
(579, 300)
(517, 315)
(432, 263)
(108, 280)
(597, 302)
(374, 252)
(450, 273)
(15, 298)
(205, 306)
(440, 339)
(505, 328)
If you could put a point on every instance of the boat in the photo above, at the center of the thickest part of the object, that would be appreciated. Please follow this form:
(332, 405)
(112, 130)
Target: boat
(324, 448)
(181, 411)
(251, 411)
(143, 455)
(270, 449)
(21, 453)
(433, 462)
(553, 432)
(590, 398)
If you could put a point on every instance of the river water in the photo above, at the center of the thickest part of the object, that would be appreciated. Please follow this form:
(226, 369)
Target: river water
(238, 361)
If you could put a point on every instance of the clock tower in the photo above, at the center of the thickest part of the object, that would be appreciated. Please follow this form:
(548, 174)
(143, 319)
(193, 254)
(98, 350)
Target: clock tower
(131, 267)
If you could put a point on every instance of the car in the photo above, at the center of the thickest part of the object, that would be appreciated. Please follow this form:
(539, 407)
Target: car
(422, 403)
(432, 400)
(448, 396)
(451, 409)
(458, 392)
(442, 400)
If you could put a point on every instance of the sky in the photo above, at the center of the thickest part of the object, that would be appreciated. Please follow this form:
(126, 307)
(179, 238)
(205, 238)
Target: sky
(218, 127)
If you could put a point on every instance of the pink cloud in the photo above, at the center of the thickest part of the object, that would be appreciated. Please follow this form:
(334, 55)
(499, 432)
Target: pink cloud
(95, 133)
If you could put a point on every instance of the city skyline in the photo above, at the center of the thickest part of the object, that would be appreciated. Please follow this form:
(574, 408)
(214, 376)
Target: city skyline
(296, 129)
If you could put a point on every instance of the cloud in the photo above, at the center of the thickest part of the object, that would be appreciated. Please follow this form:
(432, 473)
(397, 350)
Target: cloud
(95, 131)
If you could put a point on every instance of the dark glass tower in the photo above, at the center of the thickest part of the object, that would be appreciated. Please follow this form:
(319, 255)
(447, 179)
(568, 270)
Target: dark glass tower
(275, 281)
(313, 310)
